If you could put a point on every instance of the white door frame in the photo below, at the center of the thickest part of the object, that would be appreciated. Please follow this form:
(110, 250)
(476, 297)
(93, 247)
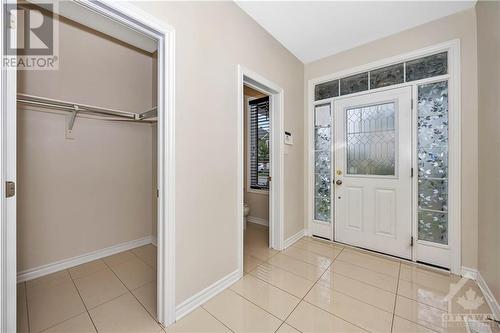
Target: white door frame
(276, 99)
(454, 140)
(164, 34)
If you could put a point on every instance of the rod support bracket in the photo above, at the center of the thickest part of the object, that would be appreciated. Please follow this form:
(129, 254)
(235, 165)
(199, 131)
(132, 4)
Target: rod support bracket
(71, 122)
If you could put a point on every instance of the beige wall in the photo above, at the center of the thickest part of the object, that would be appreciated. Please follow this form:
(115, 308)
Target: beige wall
(257, 201)
(462, 26)
(77, 196)
(207, 55)
(488, 52)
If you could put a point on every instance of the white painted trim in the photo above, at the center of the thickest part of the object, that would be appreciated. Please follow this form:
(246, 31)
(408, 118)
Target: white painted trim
(203, 296)
(292, 239)
(257, 220)
(276, 95)
(474, 274)
(131, 16)
(488, 294)
(468, 273)
(453, 48)
(60, 265)
(8, 211)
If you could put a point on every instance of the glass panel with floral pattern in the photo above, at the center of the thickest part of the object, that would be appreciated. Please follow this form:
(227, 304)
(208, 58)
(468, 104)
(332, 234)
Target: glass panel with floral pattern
(322, 162)
(432, 153)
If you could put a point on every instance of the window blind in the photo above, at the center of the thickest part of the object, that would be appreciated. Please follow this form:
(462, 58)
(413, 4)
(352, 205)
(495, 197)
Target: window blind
(259, 143)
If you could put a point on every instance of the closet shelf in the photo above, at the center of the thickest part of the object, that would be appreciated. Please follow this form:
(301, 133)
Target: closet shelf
(83, 108)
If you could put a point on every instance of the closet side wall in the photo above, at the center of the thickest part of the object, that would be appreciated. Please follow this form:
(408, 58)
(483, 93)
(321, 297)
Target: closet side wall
(96, 191)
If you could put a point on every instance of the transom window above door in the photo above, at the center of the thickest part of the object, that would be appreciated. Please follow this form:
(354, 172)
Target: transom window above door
(408, 71)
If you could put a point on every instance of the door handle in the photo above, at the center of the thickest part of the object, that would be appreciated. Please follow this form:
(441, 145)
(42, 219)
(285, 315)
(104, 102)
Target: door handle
(338, 182)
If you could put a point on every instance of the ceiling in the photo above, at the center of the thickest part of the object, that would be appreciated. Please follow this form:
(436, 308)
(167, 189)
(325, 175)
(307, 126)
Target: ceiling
(312, 30)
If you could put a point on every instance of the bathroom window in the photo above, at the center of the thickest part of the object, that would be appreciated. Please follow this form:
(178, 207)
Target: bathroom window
(259, 166)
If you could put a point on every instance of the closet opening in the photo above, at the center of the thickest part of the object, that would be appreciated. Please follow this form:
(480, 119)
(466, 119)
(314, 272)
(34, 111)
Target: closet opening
(89, 145)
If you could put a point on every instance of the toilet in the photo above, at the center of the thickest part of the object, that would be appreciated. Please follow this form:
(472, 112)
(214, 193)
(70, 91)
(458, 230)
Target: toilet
(246, 211)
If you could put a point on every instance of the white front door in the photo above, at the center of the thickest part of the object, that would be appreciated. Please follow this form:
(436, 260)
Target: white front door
(373, 170)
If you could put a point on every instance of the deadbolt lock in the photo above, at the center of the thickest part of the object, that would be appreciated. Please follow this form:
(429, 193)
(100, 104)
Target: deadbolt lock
(339, 172)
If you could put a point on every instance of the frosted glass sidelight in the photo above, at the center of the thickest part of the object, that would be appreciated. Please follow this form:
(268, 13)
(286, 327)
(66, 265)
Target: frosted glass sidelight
(432, 136)
(322, 162)
(370, 137)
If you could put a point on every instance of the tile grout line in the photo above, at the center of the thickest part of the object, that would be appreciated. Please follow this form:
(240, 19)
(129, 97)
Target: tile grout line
(286, 270)
(302, 299)
(321, 309)
(369, 284)
(211, 315)
(131, 293)
(395, 299)
(83, 302)
(264, 262)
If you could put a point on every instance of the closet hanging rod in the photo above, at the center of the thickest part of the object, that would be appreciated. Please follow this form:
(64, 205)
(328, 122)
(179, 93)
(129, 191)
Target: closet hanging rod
(70, 106)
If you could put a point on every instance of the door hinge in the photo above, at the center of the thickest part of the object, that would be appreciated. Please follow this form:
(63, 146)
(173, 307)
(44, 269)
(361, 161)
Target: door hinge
(412, 104)
(411, 173)
(10, 189)
(157, 193)
(411, 241)
(269, 179)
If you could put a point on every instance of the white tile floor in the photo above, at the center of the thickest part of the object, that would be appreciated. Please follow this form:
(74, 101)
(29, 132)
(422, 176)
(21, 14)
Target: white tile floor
(116, 294)
(310, 287)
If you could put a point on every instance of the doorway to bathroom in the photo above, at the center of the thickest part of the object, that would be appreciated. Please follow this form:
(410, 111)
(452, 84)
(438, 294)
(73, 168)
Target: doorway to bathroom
(257, 178)
(260, 184)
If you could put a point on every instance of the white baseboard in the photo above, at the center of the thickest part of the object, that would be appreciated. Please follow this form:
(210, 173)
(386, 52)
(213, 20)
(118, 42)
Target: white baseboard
(203, 296)
(474, 274)
(290, 240)
(488, 294)
(36, 272)
(469, 273)
(257, 220)
(154, 240)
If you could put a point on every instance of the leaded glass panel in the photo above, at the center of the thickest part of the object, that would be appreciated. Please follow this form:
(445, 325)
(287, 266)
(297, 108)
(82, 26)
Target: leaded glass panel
(433, 65)
(371, 136)
(432, 136)
(326, 90)
(354, 83)
(387, 76)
